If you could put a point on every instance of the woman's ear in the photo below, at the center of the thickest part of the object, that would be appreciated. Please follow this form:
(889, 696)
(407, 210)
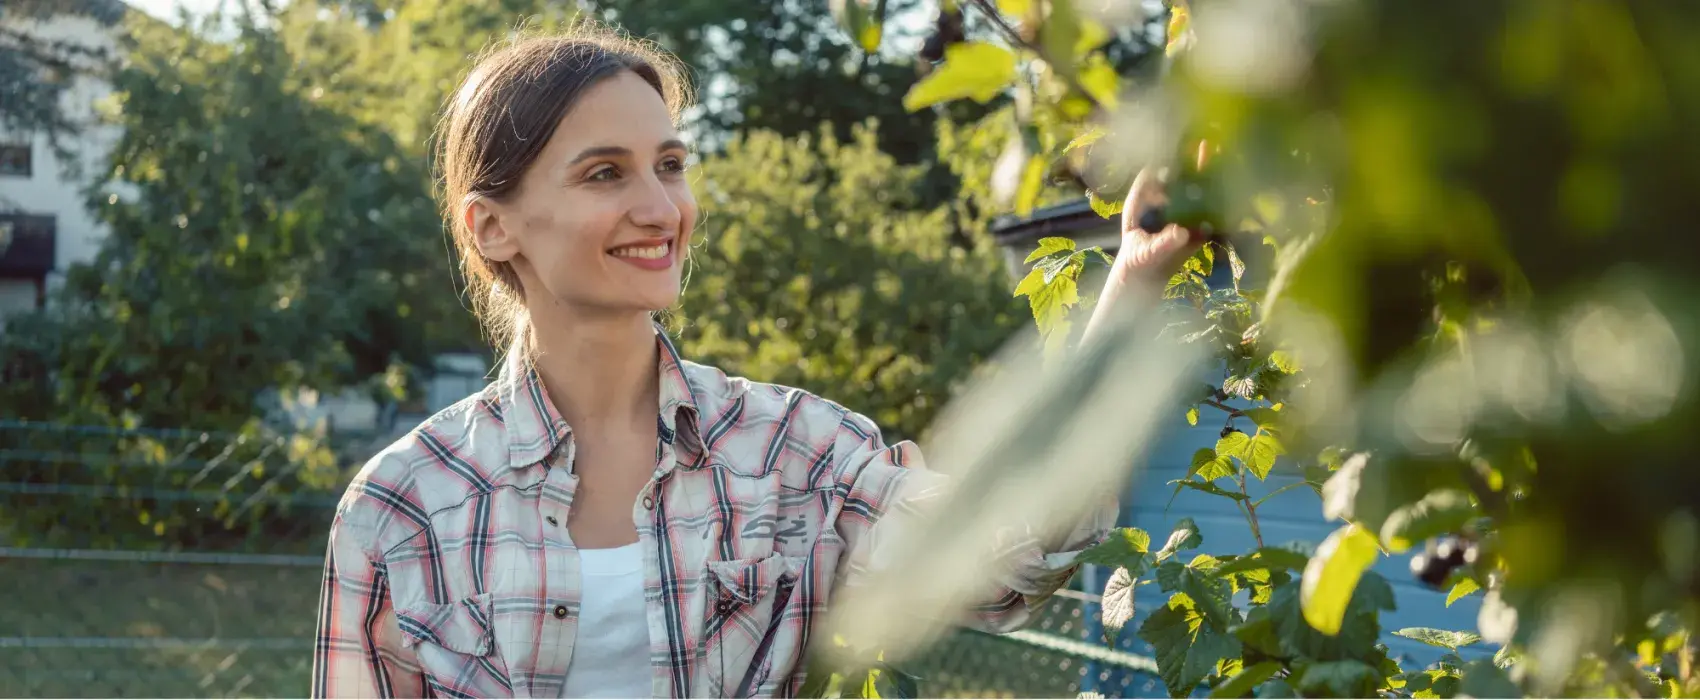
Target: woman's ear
(485, 222)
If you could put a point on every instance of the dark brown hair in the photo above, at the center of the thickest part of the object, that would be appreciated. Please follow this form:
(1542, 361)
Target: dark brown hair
(498, 121)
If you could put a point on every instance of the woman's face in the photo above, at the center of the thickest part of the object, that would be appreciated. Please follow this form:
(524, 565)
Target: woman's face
(602, 221)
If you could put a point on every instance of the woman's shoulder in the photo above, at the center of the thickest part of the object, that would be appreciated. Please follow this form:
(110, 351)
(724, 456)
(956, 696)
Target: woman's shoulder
(434, 465)
(735, 401)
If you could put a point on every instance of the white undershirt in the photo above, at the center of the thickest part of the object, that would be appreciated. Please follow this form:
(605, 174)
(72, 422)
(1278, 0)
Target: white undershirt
(611, 656)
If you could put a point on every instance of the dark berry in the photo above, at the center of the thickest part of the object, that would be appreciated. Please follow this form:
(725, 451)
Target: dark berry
(1154, 220)
(933, 49)
(1448, 551)
(1419, 564)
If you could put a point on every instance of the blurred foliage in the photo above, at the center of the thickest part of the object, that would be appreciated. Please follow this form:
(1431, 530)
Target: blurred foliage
(258, 240)
(818, 271)
(1474, 336)
(36, 71)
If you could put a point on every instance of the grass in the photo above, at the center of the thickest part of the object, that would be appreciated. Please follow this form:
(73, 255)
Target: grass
(225, 606)
(220, 607)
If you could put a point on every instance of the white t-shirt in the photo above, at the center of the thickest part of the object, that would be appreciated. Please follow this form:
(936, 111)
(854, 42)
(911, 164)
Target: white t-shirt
(611, 656)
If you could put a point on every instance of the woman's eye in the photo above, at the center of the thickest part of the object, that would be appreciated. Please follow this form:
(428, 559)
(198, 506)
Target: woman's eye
(673, 165)
(607, 174)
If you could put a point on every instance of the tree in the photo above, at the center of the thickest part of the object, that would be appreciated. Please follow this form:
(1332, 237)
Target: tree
(818, 272)
(35, 72)
(258, 241)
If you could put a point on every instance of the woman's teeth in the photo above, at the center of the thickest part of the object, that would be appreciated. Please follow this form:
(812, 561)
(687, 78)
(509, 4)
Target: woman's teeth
(650, 253)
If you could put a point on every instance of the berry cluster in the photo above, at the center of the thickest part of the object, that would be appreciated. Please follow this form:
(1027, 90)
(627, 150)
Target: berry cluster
(1441, 557)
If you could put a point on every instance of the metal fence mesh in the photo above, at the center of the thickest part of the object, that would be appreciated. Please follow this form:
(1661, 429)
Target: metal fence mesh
(103, 601)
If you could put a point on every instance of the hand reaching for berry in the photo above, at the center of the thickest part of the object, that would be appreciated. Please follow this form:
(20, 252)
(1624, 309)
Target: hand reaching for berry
(1152, 248)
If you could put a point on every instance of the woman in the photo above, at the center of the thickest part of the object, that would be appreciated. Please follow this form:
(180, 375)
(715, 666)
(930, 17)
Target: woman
(607, 519)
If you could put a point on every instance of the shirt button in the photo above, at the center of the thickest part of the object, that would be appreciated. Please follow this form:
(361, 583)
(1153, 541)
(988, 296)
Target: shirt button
(560, 612)
(724, 607)
(648, 503)
(551, 519)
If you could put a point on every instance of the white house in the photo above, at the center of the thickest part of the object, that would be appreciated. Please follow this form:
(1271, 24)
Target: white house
(45, 226)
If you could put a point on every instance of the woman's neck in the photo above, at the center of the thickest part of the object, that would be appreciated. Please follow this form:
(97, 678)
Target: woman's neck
(600, 372)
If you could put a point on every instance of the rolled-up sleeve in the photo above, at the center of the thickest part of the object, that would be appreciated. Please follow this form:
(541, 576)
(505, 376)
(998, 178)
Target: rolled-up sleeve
(888, 485)
(358, 652)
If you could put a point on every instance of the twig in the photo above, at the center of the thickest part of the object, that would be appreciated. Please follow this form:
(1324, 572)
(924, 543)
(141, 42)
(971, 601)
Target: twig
(1250, 511)
(1232, 412)
(1014, 37)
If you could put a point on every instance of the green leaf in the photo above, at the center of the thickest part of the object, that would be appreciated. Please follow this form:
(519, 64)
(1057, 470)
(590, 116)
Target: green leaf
(1122, 547)
(1087, 138)
(1260, 454)
(1266, 558)
(1100, 80)
(1208, 487)
(1107, 208)
(1209, 593)
(1233, 445)
(1192, 419)
(1348, 678)
(1283, 360)
(1185, 536)
(1049, 246)
(1439, 638)
(1263, 416)
(1333, 574)
(1209, 466)
(1051, 295)
(1464, 587)
(974, 70)
(1244, 387)
(1438, 513)
(1242, 684)
(1234, 262)
(870, 685)
(1187, 649)
(1278, 688)
(1258, 632)
(1117, 604)
(1482, 679)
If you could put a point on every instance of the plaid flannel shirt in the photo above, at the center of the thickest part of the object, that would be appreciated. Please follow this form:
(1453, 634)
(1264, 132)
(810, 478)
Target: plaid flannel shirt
(450, 571)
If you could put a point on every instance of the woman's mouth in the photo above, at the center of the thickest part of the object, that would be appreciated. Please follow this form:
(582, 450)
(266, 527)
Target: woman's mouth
(649, 256)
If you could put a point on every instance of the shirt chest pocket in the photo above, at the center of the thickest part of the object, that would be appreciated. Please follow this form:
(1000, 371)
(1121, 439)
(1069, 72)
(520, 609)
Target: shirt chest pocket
(747, 633)
(456, 646)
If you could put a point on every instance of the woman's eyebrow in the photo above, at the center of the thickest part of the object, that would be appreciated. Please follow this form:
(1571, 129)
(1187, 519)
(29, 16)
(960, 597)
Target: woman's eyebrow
(622, 151)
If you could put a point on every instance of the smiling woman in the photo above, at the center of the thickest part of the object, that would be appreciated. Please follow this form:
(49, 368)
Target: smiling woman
(607, 519)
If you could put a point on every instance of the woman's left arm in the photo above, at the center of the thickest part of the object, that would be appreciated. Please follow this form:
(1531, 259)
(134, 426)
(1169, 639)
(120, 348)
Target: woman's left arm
(887, 482)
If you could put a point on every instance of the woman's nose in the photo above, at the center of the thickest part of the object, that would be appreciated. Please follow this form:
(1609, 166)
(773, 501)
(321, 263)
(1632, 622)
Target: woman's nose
(654, 205)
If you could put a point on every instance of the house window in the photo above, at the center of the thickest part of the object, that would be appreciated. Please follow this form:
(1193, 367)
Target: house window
(15, 160)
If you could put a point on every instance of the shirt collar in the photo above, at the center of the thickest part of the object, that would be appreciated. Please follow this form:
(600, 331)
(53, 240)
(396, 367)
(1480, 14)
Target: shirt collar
(535, 429)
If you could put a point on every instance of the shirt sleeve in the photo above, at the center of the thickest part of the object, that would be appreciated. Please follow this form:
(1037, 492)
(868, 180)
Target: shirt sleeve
(358, 651)
(887, 482)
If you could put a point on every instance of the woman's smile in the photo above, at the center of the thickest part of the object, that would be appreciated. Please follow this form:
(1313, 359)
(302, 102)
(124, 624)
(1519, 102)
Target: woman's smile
(648, 255)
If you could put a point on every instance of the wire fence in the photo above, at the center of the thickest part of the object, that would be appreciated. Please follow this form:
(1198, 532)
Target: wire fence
(123, 580)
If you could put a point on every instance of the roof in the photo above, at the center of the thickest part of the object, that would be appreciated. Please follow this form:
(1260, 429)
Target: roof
(1066, 219)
